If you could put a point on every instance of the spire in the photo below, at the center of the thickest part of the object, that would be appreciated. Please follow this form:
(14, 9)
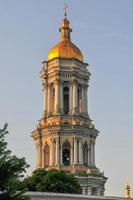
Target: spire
(65, 29)
(127, 190)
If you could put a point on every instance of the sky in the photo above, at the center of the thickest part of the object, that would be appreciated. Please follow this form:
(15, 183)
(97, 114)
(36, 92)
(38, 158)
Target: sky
(103, 30)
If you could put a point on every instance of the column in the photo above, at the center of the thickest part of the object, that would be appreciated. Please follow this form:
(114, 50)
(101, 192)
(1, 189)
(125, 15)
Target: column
(36, 155)
(75, 151)
(72, 155)
(74, 97)
(70, 98)
(89, 154)
(45, 99)
(48, 100)
(56, 105)
(39, 154)
(80, 153)
(86, 99)
(83, 99)
(43, 156)
(57, 151)
(99, 192)
(89, 191)
(83, 190)
(92, 153)
(61, 97)
(51, 153)
(61, 154)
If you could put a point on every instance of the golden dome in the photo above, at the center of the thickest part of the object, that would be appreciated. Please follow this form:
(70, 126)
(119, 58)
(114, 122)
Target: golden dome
(65, 48)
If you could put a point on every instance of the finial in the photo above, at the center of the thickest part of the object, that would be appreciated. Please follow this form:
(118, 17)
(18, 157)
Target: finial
(65, 9)
(127, 189)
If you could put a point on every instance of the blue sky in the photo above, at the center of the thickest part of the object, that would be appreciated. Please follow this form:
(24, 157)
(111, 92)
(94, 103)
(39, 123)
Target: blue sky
(103, 31)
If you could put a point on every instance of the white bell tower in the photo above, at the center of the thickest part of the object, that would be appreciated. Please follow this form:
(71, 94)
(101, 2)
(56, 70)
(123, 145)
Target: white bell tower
(65, 136)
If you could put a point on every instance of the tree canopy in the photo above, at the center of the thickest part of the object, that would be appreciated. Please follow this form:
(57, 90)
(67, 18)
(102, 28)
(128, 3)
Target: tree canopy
(11, 170)
(52, 181)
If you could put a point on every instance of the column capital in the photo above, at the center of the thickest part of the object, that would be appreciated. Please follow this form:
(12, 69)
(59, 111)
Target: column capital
(61, 82)
(45, 84)
(86, 85)
(49, 84)
(75, 82)
(56, 82)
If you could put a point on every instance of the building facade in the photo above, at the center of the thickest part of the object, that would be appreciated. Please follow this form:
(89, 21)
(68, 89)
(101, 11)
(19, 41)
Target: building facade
(65, 135)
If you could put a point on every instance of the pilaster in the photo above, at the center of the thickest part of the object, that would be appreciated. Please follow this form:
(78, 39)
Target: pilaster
(75, 109)
(48, 99)
(57, 93)
(45, 91)
(75, 151)
(57, 151)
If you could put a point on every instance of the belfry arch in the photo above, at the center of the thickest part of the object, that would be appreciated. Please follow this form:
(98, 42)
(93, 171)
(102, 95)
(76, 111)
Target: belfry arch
(66, 150)
(85, 154)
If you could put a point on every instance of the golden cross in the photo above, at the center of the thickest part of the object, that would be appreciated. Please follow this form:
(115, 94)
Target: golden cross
(65, 9)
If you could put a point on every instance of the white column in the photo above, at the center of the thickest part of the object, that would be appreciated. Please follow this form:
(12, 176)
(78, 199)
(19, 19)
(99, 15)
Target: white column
(45, 99)
(83, 99)
(89, 154)
(89, 191)
(56, 105)
(74, 97)
(80, 153)
(51, 153)
(57, 151)
(72, 155)
(43, 156)
(86, 98)
(39, 154)
(75, 151)
(98, 192)
(61, 98)
(61, 154)
(92, 153)
(70, 98)
(83, 190)
(36, 155)
(48, 99)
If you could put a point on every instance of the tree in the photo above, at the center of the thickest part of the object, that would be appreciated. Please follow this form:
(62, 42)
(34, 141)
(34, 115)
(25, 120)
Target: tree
(52, 181)
(11, 170)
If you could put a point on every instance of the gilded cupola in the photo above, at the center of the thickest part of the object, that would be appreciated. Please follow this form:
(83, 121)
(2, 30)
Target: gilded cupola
(65, 48)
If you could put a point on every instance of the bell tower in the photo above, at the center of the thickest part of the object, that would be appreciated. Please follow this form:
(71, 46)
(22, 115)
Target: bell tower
(65, 136)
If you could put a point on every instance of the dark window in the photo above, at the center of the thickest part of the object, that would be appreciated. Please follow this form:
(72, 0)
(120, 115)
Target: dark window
(85, 154)
(79, 98)
(66, 153)
(66, 100)
(94, 191)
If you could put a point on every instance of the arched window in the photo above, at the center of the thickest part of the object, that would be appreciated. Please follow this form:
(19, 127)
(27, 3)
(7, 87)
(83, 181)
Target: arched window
(66, 99)
(46, 155)
(66, 153)
(85, 154)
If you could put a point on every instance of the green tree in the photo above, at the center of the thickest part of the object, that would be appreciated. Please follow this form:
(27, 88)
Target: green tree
(52, 181)
(11, 170)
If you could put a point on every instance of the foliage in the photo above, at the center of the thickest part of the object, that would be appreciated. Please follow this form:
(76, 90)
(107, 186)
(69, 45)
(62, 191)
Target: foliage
(11, 169)
(52, 181)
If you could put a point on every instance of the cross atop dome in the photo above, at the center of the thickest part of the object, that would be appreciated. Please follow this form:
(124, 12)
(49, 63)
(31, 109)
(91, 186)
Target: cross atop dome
(65, 9)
